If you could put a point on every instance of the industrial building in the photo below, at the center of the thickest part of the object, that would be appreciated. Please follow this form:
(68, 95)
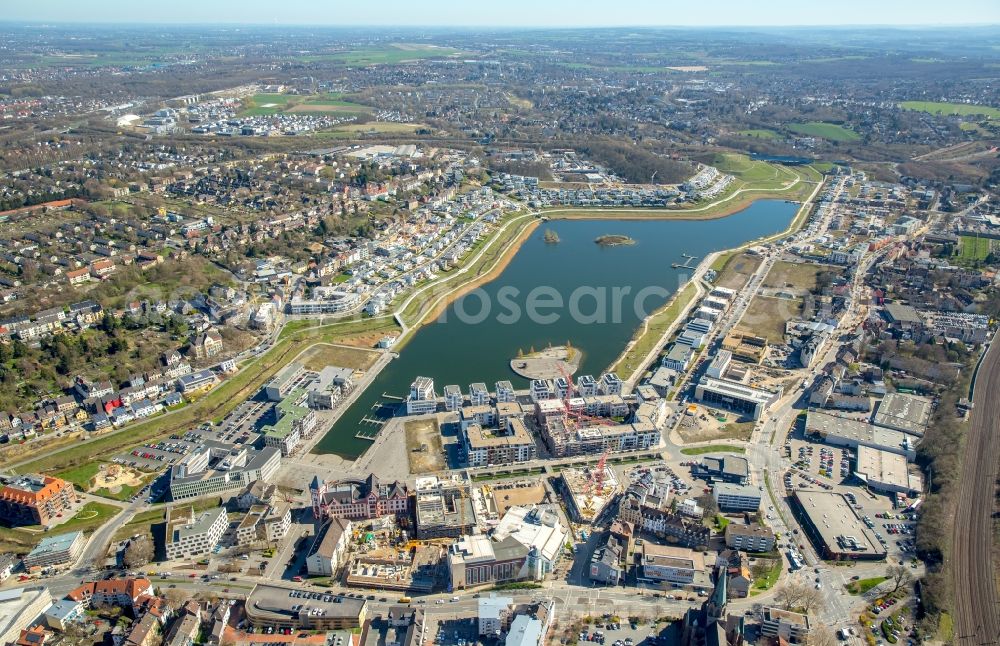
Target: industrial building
(886, 472)
(834, 527)
(845, 431)
(904, 413)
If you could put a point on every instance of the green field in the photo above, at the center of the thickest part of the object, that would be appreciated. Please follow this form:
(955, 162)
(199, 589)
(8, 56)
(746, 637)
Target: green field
(90, 517)
(393, 54)
(973, 250)
(268, 104)
(759, 133)
(713, 448)
(958, 109)
(829, 131)
(767, 582)
(80, 475)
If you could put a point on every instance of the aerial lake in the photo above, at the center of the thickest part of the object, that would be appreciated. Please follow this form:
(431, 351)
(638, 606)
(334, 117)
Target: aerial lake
(477, 336)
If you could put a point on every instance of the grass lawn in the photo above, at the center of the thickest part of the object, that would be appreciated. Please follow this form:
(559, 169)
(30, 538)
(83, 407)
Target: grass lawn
(960, 109)
(721, 522)
(759, 133)
(91, 516)
(767, 316)
(736, 270)
(824, 130)
(798, 275)
(643, 341)
(348, 130)
(713, 448)
(323, 355)
(864, 585)
(767, 582)
(80, 475)
(972, 250)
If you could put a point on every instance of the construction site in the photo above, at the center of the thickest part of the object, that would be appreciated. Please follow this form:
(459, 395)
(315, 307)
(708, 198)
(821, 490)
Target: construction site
(588, 490)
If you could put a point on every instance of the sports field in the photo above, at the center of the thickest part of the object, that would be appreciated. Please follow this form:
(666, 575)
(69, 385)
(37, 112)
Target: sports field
(824, 130)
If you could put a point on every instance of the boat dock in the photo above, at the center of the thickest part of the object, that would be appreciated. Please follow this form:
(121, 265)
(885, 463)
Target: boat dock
(688, 259)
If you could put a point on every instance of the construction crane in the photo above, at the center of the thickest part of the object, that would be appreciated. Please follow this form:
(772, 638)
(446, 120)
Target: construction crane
(599, 474)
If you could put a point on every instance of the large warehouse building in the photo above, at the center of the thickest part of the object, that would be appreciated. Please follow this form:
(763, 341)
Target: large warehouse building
(886, 472)
(905, 413)
(835, 527)
(845, 431)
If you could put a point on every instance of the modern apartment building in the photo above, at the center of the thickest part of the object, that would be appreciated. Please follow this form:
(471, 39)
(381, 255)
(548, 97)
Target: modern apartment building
(35, 500)
(188, 536)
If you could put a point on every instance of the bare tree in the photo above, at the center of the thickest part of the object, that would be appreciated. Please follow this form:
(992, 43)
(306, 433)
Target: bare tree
(823, 636)
(138, 553)
(176, 597)
(900, 576)
(799, 596)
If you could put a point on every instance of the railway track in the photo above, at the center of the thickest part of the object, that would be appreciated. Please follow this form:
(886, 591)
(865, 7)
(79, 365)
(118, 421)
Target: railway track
(977, 607)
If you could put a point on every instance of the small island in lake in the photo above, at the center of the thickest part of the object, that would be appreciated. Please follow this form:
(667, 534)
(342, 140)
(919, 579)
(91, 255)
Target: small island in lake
(551, 237)
(614, 240)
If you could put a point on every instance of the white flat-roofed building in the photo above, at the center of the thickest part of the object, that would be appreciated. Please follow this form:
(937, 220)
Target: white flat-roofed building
(188, 536)
(905, 413)
(719, 365)
(845, 431)
(611, 384)
(19, 607)
(835, 527)
(586, 386)
(677, 565)
(886, 472)
(736, 498)
(62, 549)
(452, 398)
(542, 389)
(478, 395)
(735, 396)
(793, 627)
(422, 399)
(723, 292)
(505, 392)
(325, 300)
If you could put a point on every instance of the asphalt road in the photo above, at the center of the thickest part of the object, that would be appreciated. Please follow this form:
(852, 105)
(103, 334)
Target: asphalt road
(977, 607)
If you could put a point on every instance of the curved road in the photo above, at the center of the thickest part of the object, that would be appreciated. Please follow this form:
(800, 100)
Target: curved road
(977, 607)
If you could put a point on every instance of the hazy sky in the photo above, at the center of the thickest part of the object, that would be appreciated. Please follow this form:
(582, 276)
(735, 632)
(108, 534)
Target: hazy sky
(568, 13)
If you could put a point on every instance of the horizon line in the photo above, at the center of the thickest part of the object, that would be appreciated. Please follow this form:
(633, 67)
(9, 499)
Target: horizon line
(929, 26)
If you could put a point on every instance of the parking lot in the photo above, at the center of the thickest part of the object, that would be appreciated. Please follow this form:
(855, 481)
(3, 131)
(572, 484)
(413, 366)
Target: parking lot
(830, 468)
